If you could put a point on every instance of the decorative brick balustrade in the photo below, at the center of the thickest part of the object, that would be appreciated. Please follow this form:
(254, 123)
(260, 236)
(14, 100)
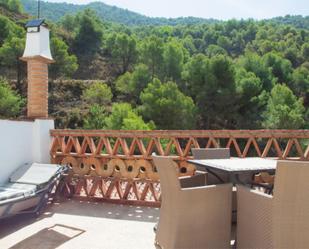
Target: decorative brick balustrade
(116, 165)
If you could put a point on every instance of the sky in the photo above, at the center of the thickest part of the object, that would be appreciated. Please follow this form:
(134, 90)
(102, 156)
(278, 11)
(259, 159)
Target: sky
(218, 9)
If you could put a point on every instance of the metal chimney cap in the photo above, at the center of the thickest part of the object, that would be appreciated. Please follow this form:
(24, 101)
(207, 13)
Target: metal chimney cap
(35, 23)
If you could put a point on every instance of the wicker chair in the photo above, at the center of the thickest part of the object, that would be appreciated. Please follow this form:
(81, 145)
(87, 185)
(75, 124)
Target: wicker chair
(278, 221)
(217, 153)
(213, 153)
(198, 217)
(210, 153)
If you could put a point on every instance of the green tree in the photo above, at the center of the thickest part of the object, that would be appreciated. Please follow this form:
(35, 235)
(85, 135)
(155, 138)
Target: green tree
(95, 119)
(65, 65)
(173, 60)
(98, 93)
(224, 42)
(194, 75)
(135, 122)
(211, 83)
(252, 99)
(151, 54)
(124, 84)
(210, 36)
(224, 91)
(167, 106)
(284, 110)
(188, 44)
(9, 30)
(132, 84)
(15, 5)
(11, 103)
(238, 43)
(124, 117)
(254, 63)
(280, 67)
(69, 22)
(5, 28)
(292, 55)
(213, 50)
(88, 38)
(300, 83)
(123, 49)
(10, 54)
(305, 51)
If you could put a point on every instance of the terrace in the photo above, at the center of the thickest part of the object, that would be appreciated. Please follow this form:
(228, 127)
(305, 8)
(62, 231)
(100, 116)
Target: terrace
(112, 192)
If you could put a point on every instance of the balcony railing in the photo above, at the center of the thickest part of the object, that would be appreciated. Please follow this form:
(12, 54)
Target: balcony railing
(116, 166)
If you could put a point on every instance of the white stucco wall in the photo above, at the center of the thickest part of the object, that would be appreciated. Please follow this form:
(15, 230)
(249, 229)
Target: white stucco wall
(23, 142)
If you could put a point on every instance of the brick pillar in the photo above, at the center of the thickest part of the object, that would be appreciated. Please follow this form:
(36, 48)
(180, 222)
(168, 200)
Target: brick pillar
(37, 88)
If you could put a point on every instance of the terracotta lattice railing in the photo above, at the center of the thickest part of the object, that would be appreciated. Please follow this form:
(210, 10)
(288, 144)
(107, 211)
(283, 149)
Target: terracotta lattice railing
(117, 166)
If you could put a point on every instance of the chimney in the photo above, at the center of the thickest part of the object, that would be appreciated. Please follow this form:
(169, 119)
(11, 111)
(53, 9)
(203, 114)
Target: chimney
(37, 55)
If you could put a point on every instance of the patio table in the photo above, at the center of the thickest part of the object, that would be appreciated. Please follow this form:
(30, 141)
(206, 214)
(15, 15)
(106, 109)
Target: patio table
(239, 170)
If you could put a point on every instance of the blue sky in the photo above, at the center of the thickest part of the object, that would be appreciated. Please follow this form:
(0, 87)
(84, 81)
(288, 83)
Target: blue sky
(219, 9)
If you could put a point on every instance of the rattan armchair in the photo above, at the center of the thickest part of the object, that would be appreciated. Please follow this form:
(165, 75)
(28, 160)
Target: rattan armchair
(217, 153)
(210, 153)
(198, 217)
(278, 221)
(213, 153)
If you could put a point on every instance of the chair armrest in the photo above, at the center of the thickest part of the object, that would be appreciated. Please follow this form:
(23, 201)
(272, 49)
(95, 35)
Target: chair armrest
(254, 218)
(193, 181)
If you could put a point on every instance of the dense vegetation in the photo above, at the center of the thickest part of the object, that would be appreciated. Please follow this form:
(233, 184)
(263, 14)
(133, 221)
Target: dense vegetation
(234, 74)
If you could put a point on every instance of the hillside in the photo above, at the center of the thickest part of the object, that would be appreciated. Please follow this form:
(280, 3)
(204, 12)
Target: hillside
(296, 21)
(54, 11)
(13, 16)
(236, 74)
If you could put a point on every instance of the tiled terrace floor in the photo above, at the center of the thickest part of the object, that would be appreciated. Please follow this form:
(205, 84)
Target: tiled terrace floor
(82, 225)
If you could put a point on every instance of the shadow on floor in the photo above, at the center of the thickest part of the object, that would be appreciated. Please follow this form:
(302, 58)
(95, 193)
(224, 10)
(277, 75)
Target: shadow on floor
(49, 238)
(16, 222)
(106, 210)
(12, 224)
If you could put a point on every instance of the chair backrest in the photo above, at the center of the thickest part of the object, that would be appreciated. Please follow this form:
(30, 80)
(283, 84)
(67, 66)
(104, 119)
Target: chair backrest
(36, 173)
(211, 153)
(168, 174)
(291, 205)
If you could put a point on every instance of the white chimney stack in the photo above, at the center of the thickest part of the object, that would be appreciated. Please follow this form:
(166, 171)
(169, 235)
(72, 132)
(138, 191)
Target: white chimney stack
(37, 55)
(37, 41)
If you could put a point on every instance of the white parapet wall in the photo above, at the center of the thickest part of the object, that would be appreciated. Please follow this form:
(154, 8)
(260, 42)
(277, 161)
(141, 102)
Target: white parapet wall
(23, 142)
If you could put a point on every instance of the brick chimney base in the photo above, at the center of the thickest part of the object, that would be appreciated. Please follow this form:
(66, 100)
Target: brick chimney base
(37, 88)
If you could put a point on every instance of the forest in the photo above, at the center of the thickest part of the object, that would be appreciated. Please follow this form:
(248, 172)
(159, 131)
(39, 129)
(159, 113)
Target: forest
(236, 74)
